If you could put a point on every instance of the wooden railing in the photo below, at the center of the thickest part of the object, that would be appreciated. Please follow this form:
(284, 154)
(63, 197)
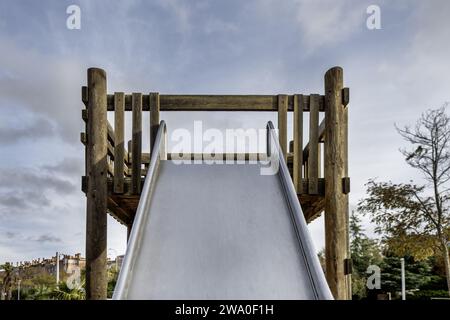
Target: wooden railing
(304, 161)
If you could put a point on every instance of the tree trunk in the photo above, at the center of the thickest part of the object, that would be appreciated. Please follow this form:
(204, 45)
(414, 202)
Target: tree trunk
(447, 264)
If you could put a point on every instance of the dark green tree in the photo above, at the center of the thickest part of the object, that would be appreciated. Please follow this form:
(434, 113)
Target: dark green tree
(364, 252)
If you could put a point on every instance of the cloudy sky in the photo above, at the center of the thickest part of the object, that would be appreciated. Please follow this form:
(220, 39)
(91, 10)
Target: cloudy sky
(204, 46)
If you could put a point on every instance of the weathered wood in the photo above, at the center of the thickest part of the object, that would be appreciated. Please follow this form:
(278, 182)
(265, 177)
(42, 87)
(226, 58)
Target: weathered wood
(170, 102)
(282, 122)
(97, 166)
(313, 165)
(154, 117)
(84, 95)
(136, 144)
(336, 202)
(118, 212)
(119, 148)
(298, 143)
(321, 140)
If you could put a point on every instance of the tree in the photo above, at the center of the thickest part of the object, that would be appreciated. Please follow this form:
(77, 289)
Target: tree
(7, 280)
(364, 252)
(415, 218)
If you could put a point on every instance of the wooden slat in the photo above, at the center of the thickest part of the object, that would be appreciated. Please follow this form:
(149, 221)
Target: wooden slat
(313, 166)
(298, 143)
(119, 148)
(169, 102)
(321, 139)
(282, 122)
(136, 144)
(111, 135)
(154, 117)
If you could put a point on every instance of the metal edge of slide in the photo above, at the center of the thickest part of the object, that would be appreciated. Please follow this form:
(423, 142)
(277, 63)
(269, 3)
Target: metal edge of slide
(142, 212)
(318, 281)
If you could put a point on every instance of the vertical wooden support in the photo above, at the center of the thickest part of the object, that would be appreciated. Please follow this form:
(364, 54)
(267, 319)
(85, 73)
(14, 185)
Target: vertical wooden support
(313, 163)
(154, 117)
(136, 143)
(336, 202)
(96, 276)
(119, 148)
(298, 143)
(282, 122)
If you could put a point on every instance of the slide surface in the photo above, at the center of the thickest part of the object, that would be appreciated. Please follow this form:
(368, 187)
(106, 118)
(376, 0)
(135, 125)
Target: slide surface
(220, 231)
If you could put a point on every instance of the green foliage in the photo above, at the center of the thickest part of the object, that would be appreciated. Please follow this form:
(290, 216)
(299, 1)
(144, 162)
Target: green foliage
(113, 274)
(63, 292)
(364, 252)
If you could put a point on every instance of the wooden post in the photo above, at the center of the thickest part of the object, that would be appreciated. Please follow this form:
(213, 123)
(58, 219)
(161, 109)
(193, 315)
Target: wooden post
(96, 277)
(136, 144)
(119, 148)
(298, 143)
(282, 122)
(154, 117)
(336, 201)
(313, 157)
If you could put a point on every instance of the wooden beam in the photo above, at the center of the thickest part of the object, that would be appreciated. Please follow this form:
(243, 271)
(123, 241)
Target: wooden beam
(298, 143)
(313, 165)
(118, 212)
(282, 122)
(97, 166)
(119, 148)
(136, 143)
(154, 117)
(336, 201)
(172, 102)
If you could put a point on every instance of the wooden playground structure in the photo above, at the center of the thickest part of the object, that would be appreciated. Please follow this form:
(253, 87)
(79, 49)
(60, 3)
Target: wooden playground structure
(115, 171)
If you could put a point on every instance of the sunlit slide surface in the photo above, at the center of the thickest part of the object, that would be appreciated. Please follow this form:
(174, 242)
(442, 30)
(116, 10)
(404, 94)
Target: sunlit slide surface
(219, 231)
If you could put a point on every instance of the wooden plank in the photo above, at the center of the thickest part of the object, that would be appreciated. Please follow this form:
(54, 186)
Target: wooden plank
(321, 140)
(97, 193)
(118, 212)
(111, 135)
(336, 201)
(171, 102)
(154, 117)
(298, 143)
(136, 144)
(119, 148)
(282, 122)
(313, 165)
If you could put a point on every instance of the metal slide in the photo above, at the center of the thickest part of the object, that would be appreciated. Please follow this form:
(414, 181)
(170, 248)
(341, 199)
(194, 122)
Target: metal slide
(219, 231)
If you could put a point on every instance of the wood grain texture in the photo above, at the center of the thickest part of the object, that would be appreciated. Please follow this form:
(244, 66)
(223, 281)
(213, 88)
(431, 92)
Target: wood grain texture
(313, 163)
(282, 122)
(298, 143)
(119, 148)
(136, 143)
(178, 102)
(336, 202)
(154, 117)
(97, 166)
